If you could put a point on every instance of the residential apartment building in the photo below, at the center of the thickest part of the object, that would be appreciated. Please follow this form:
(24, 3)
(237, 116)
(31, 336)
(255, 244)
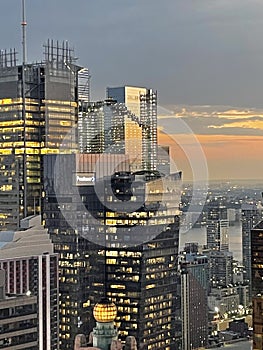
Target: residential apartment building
(31, 269)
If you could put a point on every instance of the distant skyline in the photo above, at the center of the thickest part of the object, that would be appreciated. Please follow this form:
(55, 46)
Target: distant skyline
(199, 55)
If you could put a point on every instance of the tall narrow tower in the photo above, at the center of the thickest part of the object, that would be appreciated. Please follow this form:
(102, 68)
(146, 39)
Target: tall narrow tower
(250, 217)
(257, 284)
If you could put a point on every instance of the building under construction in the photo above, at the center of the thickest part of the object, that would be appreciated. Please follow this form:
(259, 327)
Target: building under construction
(38, 114)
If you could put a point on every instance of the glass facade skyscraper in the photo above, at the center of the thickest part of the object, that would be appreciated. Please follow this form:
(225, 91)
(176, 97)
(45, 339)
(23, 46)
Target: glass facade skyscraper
(38, 111)
(194, 287)
(250, 217)
(117, 234)
(109, 127)
(257, 284)
(142, 102)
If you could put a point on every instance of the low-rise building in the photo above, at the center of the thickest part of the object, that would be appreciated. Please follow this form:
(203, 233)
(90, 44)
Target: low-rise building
(224, 300)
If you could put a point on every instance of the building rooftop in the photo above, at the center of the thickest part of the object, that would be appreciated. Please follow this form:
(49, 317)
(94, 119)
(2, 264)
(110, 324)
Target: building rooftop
(31, 241)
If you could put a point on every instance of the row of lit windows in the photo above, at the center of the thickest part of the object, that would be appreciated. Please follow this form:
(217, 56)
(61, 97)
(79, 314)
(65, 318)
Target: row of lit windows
(257, 266)
(33, 180)
(164, 322)
(9, 173)
(160, 313)
(69, 271)
(8, 101)
(64, 336)
(65, 328)
(124, 253)
(126, 222)
(155, 307)
(65, 320)
(156, 275)
(135, 214)
(18, 108)
(128, 309)
(60, 122)
(59, 102)
(74, 264)
(48, 109)
(157, 260)
(27, 151)
(19, 144)
(158, 298)
(67, 304)
(60, 116)
(118, 286)
(133, 278)
(5, 188)
(20, 122)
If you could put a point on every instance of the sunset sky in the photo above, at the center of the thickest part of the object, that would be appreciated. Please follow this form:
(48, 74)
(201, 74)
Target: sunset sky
(203, 57)
(231, 140)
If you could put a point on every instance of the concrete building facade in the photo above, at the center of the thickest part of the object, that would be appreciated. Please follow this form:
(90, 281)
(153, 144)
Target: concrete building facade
(31, 267)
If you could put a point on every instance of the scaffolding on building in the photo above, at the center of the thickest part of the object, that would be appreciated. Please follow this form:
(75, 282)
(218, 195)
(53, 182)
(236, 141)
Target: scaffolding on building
(8, 58)
(54, 52)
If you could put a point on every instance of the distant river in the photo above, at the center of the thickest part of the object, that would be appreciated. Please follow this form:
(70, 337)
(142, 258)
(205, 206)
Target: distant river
(199, 235)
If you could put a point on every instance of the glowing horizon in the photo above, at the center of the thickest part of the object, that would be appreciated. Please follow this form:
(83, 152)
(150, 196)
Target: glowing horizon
(231, 141)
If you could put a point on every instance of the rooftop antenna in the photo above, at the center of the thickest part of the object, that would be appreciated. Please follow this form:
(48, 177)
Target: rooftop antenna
(23, 25)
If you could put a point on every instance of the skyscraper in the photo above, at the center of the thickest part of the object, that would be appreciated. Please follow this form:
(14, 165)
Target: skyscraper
(109, 127)
(250, 217)
(257, 284)
(217, 226)
(143, 103)
(220, 268)
(194, 286)
(117, 234)
(38, 111)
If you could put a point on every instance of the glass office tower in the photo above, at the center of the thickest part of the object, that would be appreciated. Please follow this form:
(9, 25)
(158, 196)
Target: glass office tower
(38, 110)
(109, 127)
(257, 284)
(117, 233)
(142, 102)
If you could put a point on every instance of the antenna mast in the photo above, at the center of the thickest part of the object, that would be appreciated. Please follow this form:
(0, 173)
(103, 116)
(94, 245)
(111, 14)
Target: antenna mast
(23, 24)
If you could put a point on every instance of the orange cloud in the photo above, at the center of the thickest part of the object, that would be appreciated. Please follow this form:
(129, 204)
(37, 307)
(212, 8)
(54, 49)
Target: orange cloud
(245, 124)
(228, 156)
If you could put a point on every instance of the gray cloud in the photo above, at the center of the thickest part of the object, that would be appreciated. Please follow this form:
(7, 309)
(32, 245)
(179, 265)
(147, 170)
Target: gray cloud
(211, 120)
(192, 52)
